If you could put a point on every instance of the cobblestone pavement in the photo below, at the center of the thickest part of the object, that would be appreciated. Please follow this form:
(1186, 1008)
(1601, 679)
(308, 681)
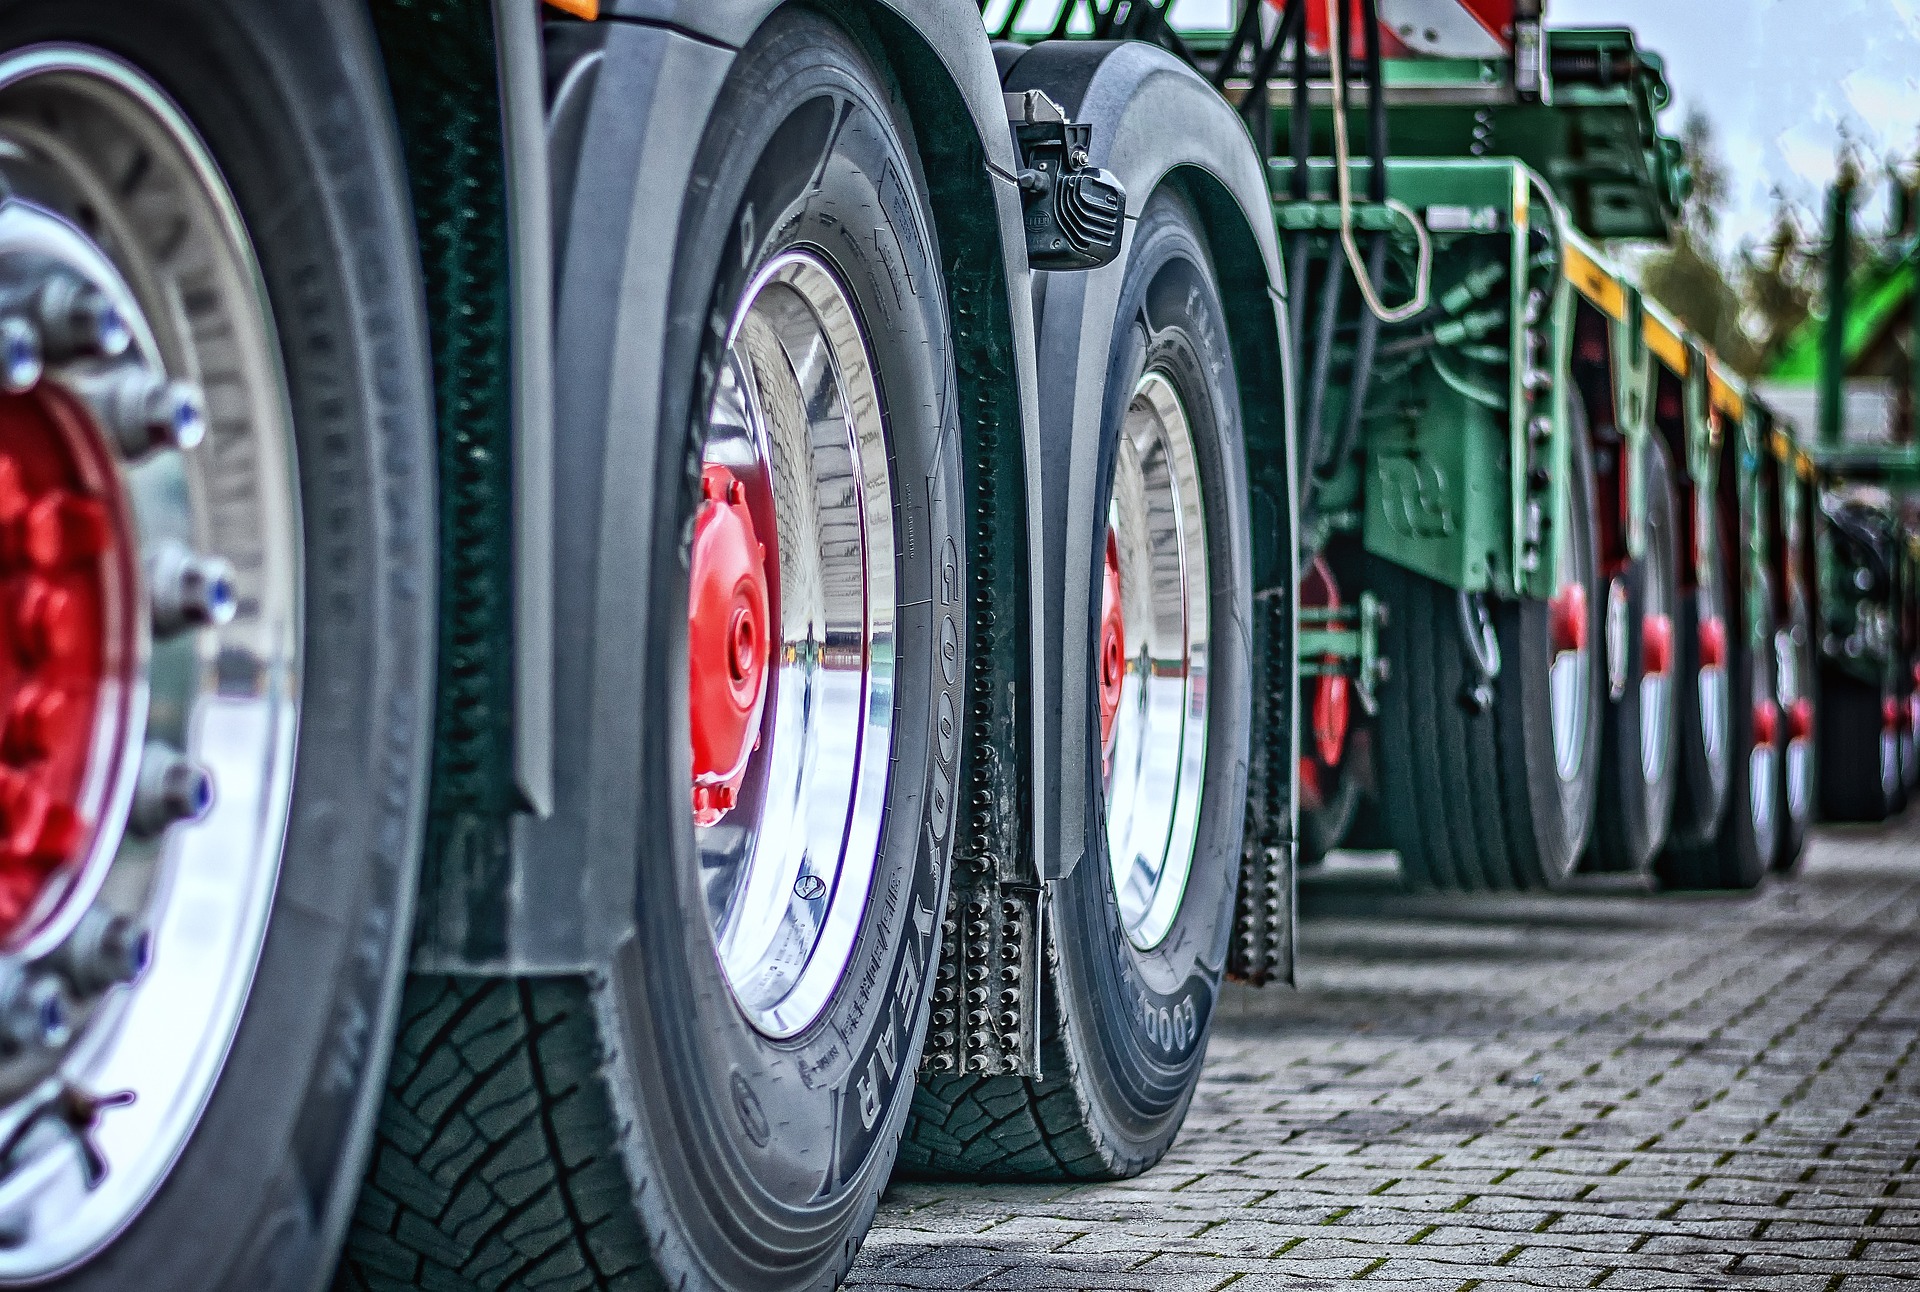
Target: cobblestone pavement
(1601, 1090)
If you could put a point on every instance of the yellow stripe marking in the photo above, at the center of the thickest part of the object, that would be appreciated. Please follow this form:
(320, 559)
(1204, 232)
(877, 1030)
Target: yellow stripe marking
(1595, 283)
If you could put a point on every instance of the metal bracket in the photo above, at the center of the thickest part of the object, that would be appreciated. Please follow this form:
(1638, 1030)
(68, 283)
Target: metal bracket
(1075, 213)
(1350, 634)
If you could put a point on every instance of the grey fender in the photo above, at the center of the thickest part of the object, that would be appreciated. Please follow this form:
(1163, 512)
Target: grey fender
(1155, 121)
(628, 99)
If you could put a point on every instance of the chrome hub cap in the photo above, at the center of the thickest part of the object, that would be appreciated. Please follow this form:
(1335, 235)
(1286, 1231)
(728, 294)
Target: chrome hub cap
(1656, 665)
(791, 644)
(1796, 710)
(1710, 684)
(1571, 676)
(150, 672)
(1155, 742)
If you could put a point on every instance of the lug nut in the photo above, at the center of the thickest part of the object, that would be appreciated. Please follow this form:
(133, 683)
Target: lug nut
(78, 321)
(21, 362)
(105, 950)
(33, 1011)
(145, 412)
(189, 590)
(171, 788)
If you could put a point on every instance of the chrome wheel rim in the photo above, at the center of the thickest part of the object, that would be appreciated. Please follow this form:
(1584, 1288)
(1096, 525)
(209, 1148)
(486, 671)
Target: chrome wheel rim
(1789, 655)
(1154, 757)
(787, 864)
(183, 851)
(1656, 654)
(1570, 677)
(1710, 683)
(1763, 794)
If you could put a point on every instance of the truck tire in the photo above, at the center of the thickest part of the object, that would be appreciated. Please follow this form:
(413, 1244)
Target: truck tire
(1739, 856)
(174, 170)
(1502, 799)
(1793, 652)
(1135, 951)
(1639, 752)
(719, 1105)
(1852, 734)
(1706, 739)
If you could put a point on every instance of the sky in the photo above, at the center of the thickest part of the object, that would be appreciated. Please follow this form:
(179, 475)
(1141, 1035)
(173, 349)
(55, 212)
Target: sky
(1779, 80)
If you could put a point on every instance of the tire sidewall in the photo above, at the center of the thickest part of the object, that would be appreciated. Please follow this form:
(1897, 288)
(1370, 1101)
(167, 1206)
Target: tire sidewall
(799, 1133)
(1140, 1018)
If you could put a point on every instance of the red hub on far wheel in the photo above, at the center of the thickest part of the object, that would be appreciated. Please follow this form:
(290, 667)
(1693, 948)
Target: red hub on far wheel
(729, 631)
(1713, 643)
(58, 538)
(1656, 645)
(1113, 647)
(1567, 618)
(1766, 723)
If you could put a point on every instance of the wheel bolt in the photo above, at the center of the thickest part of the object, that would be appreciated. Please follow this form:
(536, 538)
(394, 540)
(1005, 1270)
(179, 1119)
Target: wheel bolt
(78, 321)
(171, 789)
(105, 950)
(145, 412)
(34, 1011)
(21, 362)
(189, 590)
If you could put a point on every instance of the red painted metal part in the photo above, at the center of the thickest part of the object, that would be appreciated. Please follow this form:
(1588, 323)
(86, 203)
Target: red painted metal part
(1656, 645)
(1766, 723)
(1890, 714)
(55, 537)
(1567, 618)
(1332, 706)
(729, 634)
(1800, 719)
(1713, 643)
(1113, 647)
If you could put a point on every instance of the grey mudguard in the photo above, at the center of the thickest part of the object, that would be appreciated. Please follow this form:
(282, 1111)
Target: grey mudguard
(641, 84)
(1152, 115)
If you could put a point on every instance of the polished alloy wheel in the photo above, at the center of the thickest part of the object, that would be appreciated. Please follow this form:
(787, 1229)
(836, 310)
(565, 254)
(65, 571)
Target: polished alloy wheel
(150, 663)
(1711, 685)
(1571, 677)
(1155, 733)
(1763, 799)
(1790, 653)
(1656, 661)
(791, 643)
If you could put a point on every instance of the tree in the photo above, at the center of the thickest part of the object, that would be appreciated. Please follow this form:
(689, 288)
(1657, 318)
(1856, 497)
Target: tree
(1689, 277)
(1780, 282)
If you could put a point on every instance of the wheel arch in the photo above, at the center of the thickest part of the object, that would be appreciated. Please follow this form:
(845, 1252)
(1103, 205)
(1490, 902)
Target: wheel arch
(1155, 123)
(555, 893)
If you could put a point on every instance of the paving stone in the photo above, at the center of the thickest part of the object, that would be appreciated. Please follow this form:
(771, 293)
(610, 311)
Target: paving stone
(1607, 1088)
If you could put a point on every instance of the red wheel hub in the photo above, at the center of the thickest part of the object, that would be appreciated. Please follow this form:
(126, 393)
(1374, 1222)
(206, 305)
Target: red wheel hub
(729, 643)
(1332, 712)
(1656, 645)
(1766, 723)
(1113, 648)
(1713, 643)
(1567, 618)
(59, 548)
(1890, 714)
(1800, 719)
